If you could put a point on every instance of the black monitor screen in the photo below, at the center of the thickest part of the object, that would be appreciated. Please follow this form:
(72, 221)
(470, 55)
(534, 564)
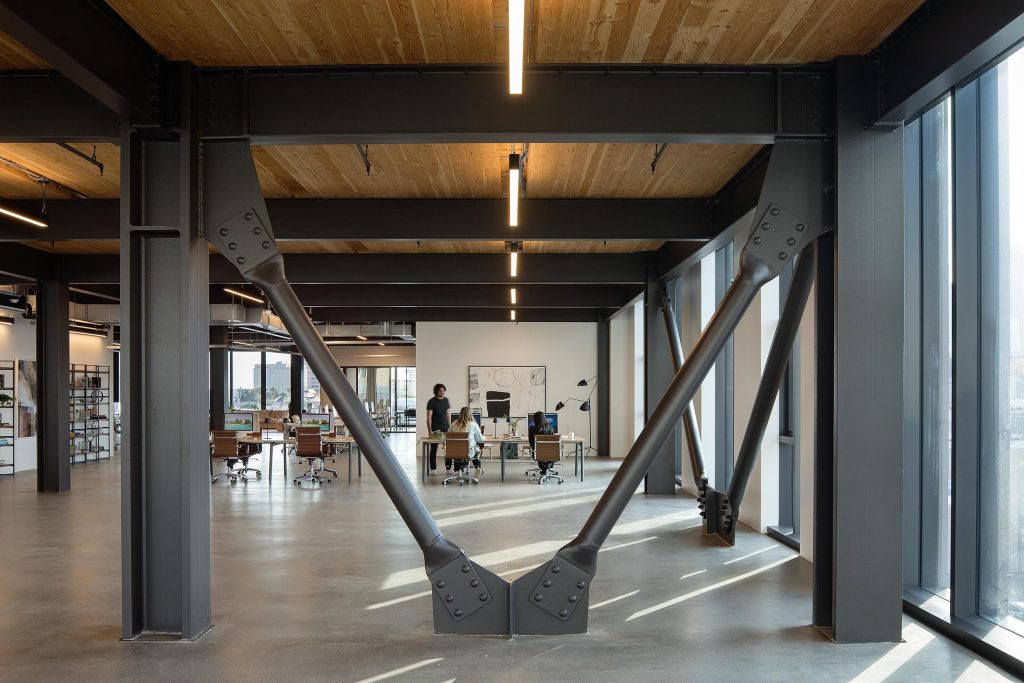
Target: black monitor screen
(552, 420)
(455, 416)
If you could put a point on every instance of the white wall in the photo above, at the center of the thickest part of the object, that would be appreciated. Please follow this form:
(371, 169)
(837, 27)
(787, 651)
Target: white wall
(621, 428)
(444, 352)
(18, 341)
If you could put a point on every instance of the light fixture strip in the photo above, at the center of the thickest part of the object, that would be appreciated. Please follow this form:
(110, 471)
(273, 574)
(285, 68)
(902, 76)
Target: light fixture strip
(88, 333)
(516, 32)
(512, 293)
(513, 263)
(6, 320)
(361, 337)
(513, 314)
(23, 217)
(250, 297)
(513, 190)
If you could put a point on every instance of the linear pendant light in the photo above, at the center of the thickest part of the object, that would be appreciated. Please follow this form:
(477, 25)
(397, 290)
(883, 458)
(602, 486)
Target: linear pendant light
(513, 263)
(38, 221)
(513, 314)
(250, 297)
(513, 190)
(516, 29)
(512, 293)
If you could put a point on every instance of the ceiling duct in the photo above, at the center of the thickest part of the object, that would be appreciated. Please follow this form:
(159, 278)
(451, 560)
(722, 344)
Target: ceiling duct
(228, 315)
(396, 331)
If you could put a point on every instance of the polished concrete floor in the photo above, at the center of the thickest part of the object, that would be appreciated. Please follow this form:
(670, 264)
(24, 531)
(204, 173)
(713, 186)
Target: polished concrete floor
(327, 584)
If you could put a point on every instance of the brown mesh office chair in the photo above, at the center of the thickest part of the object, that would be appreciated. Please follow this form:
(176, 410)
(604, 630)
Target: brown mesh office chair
(225, 449)
(456, 449)
(247, 450)
(309, 448)
(548, 453)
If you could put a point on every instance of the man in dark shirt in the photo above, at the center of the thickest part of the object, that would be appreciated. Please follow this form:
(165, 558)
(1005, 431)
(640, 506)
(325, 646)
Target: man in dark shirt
(437, 418)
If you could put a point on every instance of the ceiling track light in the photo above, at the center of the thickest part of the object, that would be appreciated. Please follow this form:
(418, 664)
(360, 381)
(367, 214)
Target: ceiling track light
(512, 295)
(516, 39)
(514, 170)
(38, 220)
(513, 249)
(513, 315)
(243, 295)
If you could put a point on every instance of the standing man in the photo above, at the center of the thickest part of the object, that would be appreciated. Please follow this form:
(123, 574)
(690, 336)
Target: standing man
(437, 419)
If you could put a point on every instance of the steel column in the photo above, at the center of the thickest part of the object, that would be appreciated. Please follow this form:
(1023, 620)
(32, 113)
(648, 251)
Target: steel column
(604, 394)
(297, 385)
(220, 381)
(661, 476)
(690, 429)
(53, 450)
(165, 495)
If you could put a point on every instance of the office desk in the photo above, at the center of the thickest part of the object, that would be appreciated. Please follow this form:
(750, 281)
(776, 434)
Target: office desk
(578, 452)
(285, 441)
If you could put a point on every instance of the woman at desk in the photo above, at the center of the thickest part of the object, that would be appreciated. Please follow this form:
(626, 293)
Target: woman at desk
(465, 423)
(540, 425)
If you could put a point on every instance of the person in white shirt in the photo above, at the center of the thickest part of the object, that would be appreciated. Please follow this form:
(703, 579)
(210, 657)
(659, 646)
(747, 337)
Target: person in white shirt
(465, 423)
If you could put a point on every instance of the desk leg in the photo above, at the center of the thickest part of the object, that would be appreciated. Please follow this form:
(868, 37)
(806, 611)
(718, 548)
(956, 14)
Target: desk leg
(270, 468)
(575, 460)
(501, 456)
(423, 456)
(350, 464)
(359, 459)
(583, 458)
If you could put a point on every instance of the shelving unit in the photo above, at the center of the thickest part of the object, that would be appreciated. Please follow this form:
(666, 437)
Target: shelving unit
(7, 419)
(90, 412)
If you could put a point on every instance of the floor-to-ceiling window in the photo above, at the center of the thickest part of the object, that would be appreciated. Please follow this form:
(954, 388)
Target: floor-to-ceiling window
(964, 360)
(278, 389)
(246, 383)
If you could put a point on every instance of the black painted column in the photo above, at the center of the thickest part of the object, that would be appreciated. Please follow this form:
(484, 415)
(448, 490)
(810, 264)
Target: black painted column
(869, 280)
(604, 393)
(165, 314)
(220, 381)
(658, 373)
(298, 365)
(53, 448)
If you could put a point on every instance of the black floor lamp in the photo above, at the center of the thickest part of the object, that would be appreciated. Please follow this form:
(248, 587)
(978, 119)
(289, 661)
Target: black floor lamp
(585, 407)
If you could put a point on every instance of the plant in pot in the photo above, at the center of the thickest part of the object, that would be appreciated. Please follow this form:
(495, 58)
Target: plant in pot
(6, 401)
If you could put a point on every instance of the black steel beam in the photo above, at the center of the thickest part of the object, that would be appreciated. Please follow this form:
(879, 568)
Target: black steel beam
(479, 296)
(433, 269)
(90, 44)
(942, 45)
(395, 314)
(736, 198)
(53, 448)
(594, 103)
(43, 106)
(418, 219)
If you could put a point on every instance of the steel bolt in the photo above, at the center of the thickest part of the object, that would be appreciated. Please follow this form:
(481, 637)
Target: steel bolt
(782, 255)
(440, 584)
(774, 211)
(266, 244)
(757, 240)
(465, 569)
(791, 241)
(581, 584)
(483, 597)
(474, 583)
(766, 226)
(800, 227)
(257, 230)
(248, 216)
(449, 598)
(572, 598)
(232, 246)
(223, 232)
(547, 583)
(564, 613)
(240, 260)
(538, 597)
(458, 613)
(556, 569)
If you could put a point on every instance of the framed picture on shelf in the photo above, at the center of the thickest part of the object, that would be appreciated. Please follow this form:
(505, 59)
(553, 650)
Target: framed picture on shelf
(27, 397)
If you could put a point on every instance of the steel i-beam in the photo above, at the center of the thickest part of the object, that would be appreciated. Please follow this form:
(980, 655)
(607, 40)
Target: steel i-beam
(690, 428)
(721, 509)
(467, 598)
(554, 598)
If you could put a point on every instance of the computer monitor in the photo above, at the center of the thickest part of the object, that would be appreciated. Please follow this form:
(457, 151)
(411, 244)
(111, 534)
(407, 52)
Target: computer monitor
(240, 422)
(455, 416)
(321, 420)
(552, 420)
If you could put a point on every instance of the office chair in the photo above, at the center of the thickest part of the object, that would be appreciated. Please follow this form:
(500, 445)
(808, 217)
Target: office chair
(309, 448)
(248, 450)
(548, 451)
(456, 448)
(225, 449)
(329, 450)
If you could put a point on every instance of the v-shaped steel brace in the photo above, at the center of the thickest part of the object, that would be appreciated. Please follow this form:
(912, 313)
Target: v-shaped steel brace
(554, 598)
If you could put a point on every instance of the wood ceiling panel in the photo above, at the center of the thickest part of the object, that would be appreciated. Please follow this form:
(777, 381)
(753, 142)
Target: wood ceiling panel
(15, 56)
(78, 246)
(481, 170)
(60, 165)
(305, 32)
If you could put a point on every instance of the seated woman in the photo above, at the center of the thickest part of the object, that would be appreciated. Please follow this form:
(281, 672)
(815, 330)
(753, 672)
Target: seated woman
(465, 423)
(540, 426)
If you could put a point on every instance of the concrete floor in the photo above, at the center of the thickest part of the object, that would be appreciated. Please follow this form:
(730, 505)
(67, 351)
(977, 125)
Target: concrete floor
(327, 584)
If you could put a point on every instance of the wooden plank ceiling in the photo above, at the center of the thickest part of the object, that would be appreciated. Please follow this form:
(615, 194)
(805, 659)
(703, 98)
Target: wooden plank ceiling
(279, 32)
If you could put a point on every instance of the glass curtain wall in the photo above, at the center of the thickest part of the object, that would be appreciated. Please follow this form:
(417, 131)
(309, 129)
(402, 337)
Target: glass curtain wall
(278, 391)
(246, 382)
